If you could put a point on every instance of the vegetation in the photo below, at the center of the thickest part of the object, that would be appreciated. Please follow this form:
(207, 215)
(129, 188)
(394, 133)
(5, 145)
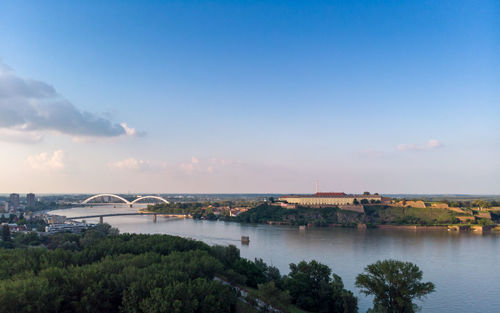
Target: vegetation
(314, 289)
(299, 216)
(382, 214)
(193, 208)
(374, 214)
(31, 224)
(201, 210)
(102, 271)
(395, 285)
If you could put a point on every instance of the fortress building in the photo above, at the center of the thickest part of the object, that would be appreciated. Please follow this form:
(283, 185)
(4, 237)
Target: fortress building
(331, 198)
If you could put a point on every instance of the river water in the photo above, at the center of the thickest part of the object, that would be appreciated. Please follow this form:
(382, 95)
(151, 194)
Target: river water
(464, 267)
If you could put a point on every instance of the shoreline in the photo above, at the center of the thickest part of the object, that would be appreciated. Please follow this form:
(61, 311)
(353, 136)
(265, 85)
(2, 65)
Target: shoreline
(469, 228)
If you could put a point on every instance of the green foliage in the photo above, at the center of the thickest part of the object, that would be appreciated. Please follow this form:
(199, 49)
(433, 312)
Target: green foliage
(29, 239)
(199, 295)
(194, 208)
(101, 271)
(6, 233)
(273, 297)
(313, 288)
(251, 271)
(299, 216)
(227, 255)
(482, 204)
(395, 285)
(263, 213)
(374, 214)
(382, 214)
(113, 273)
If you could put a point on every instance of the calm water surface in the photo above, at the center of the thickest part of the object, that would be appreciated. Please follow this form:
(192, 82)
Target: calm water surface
(464, 267)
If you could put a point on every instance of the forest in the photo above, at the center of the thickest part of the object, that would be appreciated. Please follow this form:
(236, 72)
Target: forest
(103, 271)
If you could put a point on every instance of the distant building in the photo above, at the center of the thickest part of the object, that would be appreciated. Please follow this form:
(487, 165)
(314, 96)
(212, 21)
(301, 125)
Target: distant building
(330, 198)
(4, 206)
(30, 200)
(14, 201)
(74, 227)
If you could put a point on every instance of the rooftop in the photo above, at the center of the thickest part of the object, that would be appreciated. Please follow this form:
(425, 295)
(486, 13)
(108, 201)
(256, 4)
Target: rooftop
(329, 195)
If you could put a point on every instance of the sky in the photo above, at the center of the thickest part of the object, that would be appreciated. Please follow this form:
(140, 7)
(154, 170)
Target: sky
(250, 96)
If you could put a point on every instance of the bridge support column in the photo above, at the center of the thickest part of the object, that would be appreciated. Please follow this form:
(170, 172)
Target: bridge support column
(154, 218)
(101, 219)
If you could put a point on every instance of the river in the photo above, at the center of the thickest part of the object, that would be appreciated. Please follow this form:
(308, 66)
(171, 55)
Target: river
(465, 267)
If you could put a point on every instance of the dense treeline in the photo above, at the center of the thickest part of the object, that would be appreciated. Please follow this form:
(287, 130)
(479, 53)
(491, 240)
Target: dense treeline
(203, 210)
(193, 208)
(299, 216)
(101, 271)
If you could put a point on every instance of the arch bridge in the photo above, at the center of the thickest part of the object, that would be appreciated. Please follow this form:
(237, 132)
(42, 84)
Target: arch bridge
(125, 201)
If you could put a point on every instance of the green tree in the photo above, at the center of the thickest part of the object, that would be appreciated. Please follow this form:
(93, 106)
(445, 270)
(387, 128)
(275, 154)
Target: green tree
(313, 289)
(481, 204)
(5, 233)
(394, 284)
(273, 297)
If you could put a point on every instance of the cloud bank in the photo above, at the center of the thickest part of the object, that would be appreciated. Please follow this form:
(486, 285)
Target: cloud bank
(29, 108)
(431, 144)
(131, 164)
(45, 161)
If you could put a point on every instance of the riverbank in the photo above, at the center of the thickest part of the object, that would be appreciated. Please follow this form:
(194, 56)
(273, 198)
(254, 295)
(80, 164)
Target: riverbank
(373, 216)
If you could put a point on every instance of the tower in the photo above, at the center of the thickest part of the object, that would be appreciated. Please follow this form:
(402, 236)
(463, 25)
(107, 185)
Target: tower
(14, 201)
(30, 200)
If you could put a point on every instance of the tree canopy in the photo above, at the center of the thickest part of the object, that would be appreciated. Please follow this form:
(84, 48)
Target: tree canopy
(314, 289)
(394, 284)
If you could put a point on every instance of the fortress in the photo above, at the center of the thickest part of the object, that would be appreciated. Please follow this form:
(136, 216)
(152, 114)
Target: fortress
(331, 198)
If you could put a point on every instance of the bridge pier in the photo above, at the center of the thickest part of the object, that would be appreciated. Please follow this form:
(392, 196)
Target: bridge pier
(101, 219)
(154, 218)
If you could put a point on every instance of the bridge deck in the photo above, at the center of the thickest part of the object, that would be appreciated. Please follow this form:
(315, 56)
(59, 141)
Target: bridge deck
(123, 214)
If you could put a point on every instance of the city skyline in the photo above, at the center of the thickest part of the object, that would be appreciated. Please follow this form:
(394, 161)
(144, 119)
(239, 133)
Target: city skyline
(205, 97)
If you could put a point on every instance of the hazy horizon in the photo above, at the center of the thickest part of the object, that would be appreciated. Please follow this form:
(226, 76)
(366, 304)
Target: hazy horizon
(250, 97)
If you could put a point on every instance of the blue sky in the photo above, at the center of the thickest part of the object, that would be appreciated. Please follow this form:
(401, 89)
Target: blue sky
(250, 96)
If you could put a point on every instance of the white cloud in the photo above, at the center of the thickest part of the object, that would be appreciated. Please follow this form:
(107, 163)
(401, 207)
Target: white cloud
(408, 147)
(187, 167)
(209, 166)
(12, 135)
(131, 131)
(28, 106)
(431, 144)
(45, 161)
(131, 164)
(434, 143)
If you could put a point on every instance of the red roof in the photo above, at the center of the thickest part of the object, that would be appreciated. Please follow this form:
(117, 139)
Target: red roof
(329, 194)
(333, 195)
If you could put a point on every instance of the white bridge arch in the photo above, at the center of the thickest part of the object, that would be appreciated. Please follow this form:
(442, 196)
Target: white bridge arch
(149, 197)
(105, 195)
(123, 199)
